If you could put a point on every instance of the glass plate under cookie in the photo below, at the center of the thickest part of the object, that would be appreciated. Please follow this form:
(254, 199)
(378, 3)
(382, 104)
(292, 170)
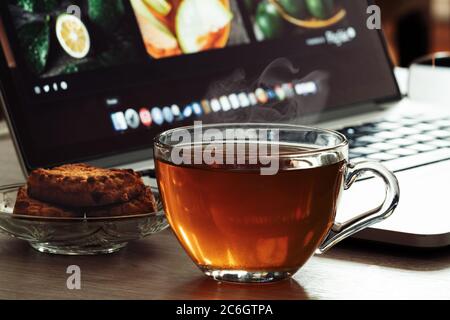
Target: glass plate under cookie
(77, 236)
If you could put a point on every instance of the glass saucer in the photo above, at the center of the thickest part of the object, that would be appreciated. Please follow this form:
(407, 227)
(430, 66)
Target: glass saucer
(77, 236)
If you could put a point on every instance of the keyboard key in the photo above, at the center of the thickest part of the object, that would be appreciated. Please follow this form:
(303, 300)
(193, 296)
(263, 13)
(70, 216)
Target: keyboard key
(402, 142)
(353, 155)
(402, 152)
(429, 118)
(439, 133)
(421, 137)
(369, 139)
(423, 147)
(410, 121)
(387, 125)
(406, 131)
(382, 146)
(366, 129)
(358, 144)
(419, 159)
(363, 151)
(404, 119)
(382, 156)
(356, 160)
(424, 127)
(440, 143)
(442, 123)
(389, 135)
(393, 118)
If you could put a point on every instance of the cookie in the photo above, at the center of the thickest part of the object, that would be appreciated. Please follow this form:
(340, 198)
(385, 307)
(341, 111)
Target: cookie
(27, 206)
(81, 185)
(143, 204)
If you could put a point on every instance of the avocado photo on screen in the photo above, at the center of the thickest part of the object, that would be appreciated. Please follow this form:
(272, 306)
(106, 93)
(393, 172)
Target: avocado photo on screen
(276, 18)
(35, 43)
(54, 42)
(37, 6)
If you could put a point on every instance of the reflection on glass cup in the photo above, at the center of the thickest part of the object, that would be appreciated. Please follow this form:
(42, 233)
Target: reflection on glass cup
(253, 202)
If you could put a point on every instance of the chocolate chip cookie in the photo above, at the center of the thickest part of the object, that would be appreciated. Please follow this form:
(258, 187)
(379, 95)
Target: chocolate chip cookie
(27, 206)
(81, 185)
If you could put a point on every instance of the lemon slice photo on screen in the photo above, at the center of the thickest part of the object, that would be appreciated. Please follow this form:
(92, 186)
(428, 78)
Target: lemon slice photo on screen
(197, 21)
(73, 36)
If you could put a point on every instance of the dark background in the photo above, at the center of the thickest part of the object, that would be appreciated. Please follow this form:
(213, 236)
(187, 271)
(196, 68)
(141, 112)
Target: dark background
(415, 28)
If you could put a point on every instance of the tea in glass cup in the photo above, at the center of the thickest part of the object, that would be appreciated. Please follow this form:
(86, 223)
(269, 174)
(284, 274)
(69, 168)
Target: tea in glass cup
(253, 202)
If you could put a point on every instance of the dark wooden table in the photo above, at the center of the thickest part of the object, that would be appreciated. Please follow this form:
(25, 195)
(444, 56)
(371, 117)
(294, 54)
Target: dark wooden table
(157, 268)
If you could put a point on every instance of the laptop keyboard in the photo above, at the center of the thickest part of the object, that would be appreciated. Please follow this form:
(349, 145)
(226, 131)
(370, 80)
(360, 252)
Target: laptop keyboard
(400, 143)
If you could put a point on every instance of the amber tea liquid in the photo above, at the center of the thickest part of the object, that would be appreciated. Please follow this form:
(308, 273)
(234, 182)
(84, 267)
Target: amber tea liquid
(241, 220)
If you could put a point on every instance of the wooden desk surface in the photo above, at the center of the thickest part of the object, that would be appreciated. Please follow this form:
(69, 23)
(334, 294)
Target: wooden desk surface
(157, 268)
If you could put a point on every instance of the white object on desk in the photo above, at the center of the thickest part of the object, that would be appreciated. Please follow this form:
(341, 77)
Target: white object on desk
(429, 84)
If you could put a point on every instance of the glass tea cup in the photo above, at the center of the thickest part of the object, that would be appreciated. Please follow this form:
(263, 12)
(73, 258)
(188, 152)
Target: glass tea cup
(253, 202)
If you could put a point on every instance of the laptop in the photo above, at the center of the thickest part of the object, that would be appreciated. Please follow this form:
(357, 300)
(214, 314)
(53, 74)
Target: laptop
(95, 82)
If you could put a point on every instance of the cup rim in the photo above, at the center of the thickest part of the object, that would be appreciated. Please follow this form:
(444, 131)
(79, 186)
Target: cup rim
(344, 141)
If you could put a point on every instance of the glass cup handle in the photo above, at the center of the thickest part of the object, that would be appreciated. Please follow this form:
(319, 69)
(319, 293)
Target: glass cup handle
(340, 231)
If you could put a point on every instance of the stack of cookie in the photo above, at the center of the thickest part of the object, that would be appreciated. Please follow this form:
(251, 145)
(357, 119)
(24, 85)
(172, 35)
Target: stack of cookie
(78, 190)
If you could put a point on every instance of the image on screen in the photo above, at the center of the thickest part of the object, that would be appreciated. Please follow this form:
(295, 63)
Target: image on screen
(277, 18)
(54, 42)
(175, 27)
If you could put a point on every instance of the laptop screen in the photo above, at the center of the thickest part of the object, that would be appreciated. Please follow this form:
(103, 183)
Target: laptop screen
(92, 78)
